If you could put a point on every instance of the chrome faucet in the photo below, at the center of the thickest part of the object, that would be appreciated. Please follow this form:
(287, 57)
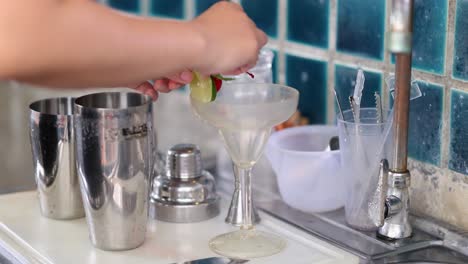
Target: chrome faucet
(397, 178)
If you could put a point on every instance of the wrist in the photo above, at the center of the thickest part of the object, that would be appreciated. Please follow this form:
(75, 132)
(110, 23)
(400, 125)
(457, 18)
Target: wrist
(198, 45)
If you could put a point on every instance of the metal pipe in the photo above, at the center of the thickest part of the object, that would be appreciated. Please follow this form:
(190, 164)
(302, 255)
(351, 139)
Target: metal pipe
(400, 37)
(401, 112)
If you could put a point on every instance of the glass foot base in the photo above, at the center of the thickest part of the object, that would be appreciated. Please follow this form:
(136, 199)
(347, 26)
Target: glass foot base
(247, 244)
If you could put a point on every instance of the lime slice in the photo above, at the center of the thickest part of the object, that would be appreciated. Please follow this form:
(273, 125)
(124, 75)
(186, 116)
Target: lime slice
(201, 88)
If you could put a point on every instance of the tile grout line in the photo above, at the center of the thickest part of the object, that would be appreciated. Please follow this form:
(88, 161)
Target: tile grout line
(312, 52)
(282, 25)
(332, 32)
(145, 8)
(305, 51)
(352, 64)
(189, 9)
(449, 46)
(457, 83)
(273, 44)
(462, 85)
(360, 61)
(424, 76)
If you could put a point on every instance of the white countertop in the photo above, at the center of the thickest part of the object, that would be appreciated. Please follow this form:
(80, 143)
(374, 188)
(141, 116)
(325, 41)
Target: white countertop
(35, 239)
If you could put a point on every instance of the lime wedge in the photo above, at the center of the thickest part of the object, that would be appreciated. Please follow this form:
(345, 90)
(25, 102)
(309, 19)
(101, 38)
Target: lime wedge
(201, 88)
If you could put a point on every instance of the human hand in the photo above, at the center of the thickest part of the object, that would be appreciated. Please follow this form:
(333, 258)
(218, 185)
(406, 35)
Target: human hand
(232, 43)
(164, 85)
(232, 40)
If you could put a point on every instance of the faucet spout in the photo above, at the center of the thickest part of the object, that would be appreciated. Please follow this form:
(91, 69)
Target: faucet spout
(396, 224)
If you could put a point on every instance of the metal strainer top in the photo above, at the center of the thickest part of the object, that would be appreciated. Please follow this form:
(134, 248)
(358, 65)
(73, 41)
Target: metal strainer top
(183, 161)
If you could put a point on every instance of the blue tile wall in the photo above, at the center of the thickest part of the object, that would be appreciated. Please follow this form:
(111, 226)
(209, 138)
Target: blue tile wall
(202, 5)
(460, 61)
(125, 5)
(172, 9)
(430, 30)
(264, 13)
(425, 128)
(360, 27)
(308, 22)
(345, 79)
(458, 160)
(310, 78)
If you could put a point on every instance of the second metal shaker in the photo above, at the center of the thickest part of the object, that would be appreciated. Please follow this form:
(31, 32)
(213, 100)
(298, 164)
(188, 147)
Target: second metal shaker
(52, 144)
(114, 155)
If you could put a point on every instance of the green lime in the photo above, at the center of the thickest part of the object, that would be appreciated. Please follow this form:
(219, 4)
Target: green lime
(201, 88)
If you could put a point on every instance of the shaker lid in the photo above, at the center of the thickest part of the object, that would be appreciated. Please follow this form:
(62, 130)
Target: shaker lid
(183, 161)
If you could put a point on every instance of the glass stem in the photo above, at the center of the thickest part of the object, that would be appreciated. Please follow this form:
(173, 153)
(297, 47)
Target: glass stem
(244, 175)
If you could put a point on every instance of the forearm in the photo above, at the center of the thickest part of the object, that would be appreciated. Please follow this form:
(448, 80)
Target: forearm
(76, 43)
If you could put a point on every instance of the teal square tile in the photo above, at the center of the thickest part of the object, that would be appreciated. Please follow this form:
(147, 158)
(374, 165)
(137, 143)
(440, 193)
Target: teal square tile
(460, 58)
(310, 78)
(345, 80)
(202, 5)
(458, 159)
(171, 9)
(264, 13)
(132, 6)
(360, 27)
(425, 124)
(308, 22)
(430, 30)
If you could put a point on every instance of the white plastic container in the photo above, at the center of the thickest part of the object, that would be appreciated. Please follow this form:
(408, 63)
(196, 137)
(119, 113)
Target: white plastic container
(309, 178)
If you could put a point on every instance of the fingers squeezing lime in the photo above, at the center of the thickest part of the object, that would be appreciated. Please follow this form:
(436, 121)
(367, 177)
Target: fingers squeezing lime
(204, 89)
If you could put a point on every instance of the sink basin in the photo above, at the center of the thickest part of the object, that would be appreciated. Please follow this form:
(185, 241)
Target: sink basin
(6, 257)
(331, 226)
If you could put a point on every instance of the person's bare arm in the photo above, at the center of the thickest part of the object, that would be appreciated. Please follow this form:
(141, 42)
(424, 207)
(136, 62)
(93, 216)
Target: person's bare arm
(79, 43)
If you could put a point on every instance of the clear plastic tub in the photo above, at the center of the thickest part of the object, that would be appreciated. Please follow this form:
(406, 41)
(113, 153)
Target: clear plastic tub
(309, 177)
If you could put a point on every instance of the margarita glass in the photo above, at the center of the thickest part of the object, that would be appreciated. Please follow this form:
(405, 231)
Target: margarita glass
(244, 114)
